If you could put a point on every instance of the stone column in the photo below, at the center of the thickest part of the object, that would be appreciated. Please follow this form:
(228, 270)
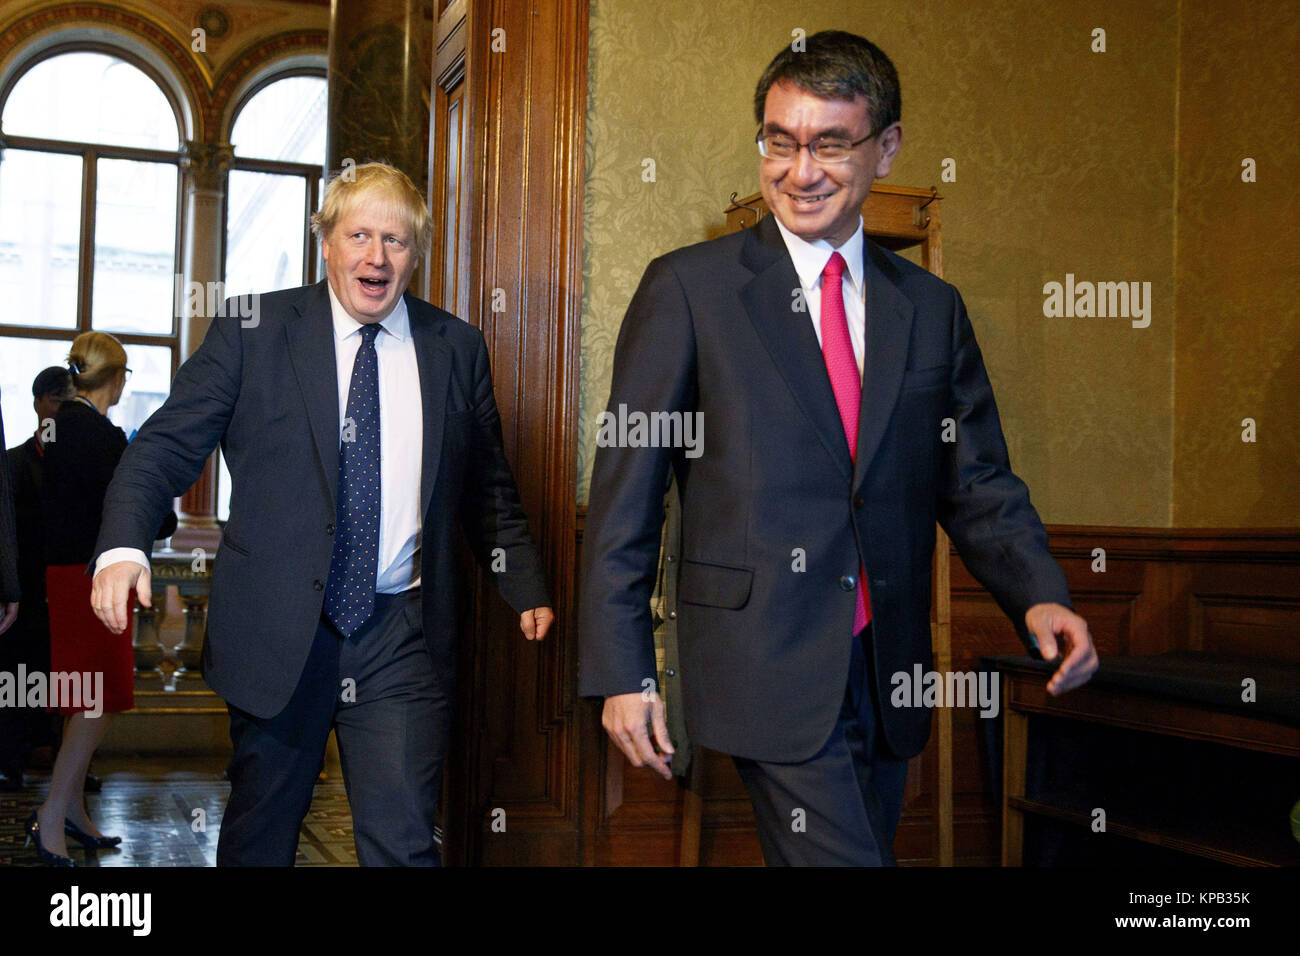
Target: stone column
(379, 75)
(204, 166)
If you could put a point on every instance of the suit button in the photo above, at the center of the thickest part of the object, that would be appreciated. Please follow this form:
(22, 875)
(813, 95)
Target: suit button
(672, 615)
(857, 501)
(848, 582)
(670, 559)
(318, 585)
(671, 672)
(329, 528)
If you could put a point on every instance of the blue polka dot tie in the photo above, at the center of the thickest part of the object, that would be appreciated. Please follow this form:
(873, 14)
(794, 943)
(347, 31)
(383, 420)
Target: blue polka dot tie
(350, 594)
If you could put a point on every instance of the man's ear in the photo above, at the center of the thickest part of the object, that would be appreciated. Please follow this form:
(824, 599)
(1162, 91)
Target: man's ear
(891, 141)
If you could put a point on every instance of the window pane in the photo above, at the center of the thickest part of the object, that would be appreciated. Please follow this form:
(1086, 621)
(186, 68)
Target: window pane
(285, 120)
(135, 247)
(265, 229)
(22, 360)
(91, 98)
(151, 376)
(40, 230)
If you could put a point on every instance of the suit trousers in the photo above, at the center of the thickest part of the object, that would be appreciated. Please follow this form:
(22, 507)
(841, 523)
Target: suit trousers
(376, 690)
(841, 806)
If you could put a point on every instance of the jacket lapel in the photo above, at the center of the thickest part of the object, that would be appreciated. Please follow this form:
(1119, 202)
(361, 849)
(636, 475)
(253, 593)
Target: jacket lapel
(889, 329)
(789, 336)
(311, 352)
(433, 358)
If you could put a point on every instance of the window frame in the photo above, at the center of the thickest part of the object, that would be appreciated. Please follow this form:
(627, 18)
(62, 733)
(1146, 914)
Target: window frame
(311, 172)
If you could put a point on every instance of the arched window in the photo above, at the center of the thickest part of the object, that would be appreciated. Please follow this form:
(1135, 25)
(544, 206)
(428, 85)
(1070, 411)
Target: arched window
(89, 225)
(274, 186)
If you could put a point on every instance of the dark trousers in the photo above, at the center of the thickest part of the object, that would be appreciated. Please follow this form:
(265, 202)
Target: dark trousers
(376, 690)
(840, 807)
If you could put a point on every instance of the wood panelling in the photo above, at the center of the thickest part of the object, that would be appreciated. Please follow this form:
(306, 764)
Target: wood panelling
(518, 278)
(1230, 591)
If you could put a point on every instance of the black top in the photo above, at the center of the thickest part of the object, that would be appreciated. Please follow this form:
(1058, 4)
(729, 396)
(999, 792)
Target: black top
(79, 464)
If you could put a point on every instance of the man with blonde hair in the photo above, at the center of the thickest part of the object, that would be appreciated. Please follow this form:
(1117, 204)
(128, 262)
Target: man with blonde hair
(360, 429)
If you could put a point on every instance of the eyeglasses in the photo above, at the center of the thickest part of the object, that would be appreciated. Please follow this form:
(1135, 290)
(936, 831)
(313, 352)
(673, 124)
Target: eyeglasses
(824, 149)
(128, 373)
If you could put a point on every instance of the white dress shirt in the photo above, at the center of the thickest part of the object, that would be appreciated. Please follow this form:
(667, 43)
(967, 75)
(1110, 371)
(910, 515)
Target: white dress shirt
(810, 259)
(401, 442)
(401, 438)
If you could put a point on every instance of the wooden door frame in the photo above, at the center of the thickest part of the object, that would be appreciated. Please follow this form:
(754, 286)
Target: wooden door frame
(518, 746)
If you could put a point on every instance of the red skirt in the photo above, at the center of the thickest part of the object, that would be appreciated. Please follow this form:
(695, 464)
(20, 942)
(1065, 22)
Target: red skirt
(80, 644)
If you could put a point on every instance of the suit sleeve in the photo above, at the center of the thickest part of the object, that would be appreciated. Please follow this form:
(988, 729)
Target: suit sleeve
(654, 370)
(168, 452)
(491, 512)
(983, 506)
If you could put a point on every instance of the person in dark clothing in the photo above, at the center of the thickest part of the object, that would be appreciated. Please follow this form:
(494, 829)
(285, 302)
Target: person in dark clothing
(80, 456)
(27, 644)
(10, 591)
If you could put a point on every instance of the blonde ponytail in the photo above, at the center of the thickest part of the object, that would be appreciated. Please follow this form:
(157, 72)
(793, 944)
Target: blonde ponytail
(94, 360)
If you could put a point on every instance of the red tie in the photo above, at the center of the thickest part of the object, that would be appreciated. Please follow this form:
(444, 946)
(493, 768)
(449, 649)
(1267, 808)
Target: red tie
(842, 367)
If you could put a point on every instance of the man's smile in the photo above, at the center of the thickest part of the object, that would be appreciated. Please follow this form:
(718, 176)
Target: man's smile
(810, 200)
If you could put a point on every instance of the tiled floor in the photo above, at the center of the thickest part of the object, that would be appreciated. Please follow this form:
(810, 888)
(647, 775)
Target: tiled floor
(152, 805)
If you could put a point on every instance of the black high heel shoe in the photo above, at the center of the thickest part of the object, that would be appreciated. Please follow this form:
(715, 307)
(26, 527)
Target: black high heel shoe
(33, 828)
(88, 841)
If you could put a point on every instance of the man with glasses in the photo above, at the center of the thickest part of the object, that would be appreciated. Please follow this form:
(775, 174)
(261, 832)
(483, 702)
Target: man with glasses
(827, 371)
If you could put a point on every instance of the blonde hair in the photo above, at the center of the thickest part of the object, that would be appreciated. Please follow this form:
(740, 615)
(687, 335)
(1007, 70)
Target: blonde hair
(377, 181)
(94, 360)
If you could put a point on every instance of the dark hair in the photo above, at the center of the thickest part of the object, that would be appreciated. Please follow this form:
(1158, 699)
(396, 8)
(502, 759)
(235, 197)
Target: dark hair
(55, 380)
(837, 65)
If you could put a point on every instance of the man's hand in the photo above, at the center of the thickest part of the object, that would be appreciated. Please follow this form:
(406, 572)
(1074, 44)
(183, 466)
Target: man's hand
(112, 589)
(8, 614)
(625, 719)
(1046, 622)
(536, 622)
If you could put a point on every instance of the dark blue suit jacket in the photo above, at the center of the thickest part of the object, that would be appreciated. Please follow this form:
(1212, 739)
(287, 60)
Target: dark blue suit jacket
(269, 394)
(764, 639)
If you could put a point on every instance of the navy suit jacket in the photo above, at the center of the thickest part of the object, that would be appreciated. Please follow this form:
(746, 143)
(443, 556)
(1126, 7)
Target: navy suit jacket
(776, 516)
(269, 393)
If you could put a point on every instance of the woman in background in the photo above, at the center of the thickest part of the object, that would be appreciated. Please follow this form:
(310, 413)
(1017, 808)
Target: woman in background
(79, 464)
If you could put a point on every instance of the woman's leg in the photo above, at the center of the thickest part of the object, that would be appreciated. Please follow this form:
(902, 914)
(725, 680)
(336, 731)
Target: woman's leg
(66, 800)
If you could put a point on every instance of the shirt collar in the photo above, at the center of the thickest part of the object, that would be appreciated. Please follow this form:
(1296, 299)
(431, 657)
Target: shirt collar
(810, 258)
(397, 323)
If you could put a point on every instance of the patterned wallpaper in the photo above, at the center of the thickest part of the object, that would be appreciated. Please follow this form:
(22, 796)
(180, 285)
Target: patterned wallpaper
(1237, 347)
(1064, 164)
